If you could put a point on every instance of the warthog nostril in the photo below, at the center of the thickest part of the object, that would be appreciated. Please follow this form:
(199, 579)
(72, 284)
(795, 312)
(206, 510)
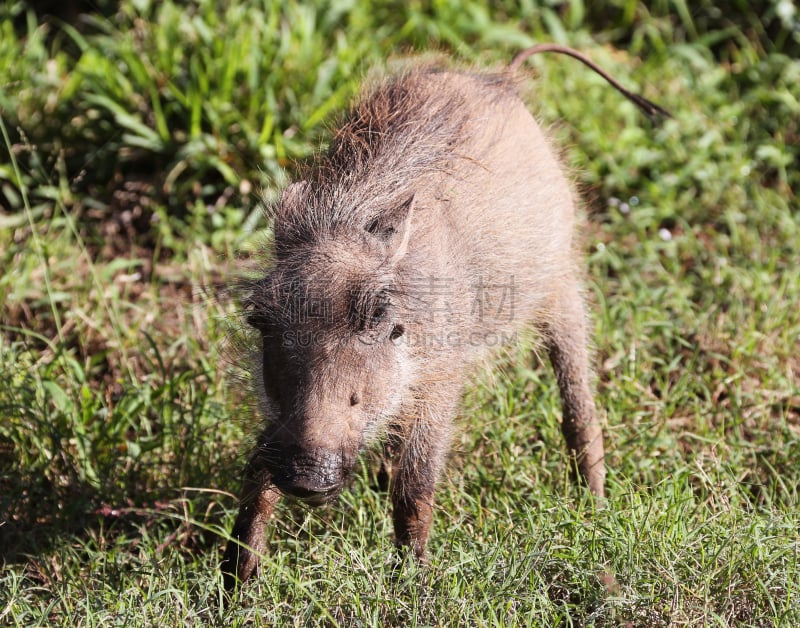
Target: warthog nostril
(355, 399)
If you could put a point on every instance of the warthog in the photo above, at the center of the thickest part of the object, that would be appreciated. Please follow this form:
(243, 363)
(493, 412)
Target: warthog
(438, 223)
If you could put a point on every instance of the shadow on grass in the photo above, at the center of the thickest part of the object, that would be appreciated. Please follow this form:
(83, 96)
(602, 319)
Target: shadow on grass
(38, 517)
(37, 514)
(168, 475)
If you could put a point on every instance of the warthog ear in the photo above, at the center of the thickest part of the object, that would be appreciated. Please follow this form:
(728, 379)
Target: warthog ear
(394, 228)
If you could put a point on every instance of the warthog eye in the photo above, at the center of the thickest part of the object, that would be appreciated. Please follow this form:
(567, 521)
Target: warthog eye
(378, 313)
(370, 310)
(397, 331)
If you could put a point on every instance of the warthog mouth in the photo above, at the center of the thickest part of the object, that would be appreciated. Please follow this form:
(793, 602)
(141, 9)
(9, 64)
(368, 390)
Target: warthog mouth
(309, 488)
(320, 499)
(316, 496)
(314, 477)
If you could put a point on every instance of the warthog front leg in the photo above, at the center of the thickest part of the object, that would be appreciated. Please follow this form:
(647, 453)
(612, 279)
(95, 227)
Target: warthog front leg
(257, 502)
(419, 465)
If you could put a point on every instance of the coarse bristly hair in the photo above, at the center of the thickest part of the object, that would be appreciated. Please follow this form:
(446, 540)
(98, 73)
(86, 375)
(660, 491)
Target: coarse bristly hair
(396, 133)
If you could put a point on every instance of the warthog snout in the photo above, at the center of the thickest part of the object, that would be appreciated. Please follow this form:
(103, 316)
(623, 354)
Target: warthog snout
(315, 476)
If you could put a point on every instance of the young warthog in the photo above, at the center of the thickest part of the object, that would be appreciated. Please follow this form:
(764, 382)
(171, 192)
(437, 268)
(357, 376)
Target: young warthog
(438, 223)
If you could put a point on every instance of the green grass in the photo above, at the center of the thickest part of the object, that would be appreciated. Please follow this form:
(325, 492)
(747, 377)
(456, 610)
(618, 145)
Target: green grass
(136, 148)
